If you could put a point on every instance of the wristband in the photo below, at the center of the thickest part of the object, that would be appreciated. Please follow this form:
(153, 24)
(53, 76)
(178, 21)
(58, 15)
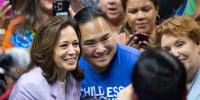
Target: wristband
(2, 31)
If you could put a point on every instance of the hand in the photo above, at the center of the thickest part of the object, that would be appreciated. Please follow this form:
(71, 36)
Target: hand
(71, 11)
(127, 93)
(141, 45)
(4, 18)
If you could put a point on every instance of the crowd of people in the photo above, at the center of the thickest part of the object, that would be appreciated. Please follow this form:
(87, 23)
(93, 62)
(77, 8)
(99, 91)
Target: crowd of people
(105, 50)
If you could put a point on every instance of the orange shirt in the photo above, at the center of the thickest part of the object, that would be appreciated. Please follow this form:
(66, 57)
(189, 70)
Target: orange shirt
(6, 44)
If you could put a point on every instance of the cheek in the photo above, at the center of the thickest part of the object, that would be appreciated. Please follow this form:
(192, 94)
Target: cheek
(130, 17)
(103, 5)
(110, 45)
(77, 50)
(152, 16)
(131, 21)
(87, 51)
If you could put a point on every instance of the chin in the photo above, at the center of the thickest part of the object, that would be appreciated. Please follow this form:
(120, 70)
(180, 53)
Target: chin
(101, 65)
(71, 69)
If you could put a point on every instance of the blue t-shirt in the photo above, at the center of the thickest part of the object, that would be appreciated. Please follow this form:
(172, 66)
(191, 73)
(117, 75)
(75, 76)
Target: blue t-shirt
(106, 85)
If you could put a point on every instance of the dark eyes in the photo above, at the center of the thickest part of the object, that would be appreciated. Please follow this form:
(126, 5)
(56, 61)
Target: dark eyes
(105, 38)
(92, 42)
(144, 9)
(89, 43)
(65, 44)
(132, 11)
(166, 49)
(179, 44)
(76, 43)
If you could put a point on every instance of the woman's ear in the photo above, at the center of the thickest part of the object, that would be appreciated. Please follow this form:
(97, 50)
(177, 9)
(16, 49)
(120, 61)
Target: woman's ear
(157, 10)
(198, 44)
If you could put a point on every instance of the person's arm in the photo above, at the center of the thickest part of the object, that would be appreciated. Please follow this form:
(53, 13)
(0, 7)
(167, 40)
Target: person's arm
(24, 90)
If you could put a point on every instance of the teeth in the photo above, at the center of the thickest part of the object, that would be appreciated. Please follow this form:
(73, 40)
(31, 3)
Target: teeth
(70, 60)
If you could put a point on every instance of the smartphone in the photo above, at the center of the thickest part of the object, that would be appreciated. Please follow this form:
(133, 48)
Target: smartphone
(11, 3)
(60, 8)
(141, 37)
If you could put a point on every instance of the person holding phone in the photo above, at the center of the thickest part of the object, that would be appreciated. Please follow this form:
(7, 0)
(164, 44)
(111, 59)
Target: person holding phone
(141, 17)
(30, 13)
(54, 73)
(116, 16)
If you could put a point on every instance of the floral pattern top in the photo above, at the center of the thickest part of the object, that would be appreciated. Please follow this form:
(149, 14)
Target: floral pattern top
(22, 40)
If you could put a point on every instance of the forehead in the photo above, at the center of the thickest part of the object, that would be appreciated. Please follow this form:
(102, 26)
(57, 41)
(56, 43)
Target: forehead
(68, 33)
(165, 39)
(168, 39)
(95, 28)
(137, 3)
(105, 1)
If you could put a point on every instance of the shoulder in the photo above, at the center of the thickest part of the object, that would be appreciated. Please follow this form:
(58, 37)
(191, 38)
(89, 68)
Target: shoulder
(15, 21)
(30, 84)
(6, 44)
(74, 81)
(83, 63)
(76, 85)
(126, 50)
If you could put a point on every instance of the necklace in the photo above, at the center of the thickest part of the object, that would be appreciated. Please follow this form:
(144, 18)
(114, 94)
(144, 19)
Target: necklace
(63, 86)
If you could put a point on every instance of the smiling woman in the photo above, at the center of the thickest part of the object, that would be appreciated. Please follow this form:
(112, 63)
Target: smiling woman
(54, 69)
(180, 36)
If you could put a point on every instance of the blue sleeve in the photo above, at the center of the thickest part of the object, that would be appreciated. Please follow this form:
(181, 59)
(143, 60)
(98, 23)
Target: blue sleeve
(136, 54)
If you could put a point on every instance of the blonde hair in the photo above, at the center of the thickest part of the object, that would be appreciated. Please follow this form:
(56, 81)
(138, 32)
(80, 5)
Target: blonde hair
(176, 26)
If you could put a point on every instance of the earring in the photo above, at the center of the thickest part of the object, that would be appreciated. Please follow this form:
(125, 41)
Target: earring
(157, 19)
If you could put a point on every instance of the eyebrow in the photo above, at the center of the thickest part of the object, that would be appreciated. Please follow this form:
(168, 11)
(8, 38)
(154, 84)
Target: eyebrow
(67, 41)
(177, 41)
(105, 35)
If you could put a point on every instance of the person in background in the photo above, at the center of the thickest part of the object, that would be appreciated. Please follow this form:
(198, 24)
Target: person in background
(123, 34)
(116, 16)
(4, 20)
(196, 13)
(54, 72)
(157, 76)
(22, 29)
(180, 36)
(108, 65)
(141, 17)
(91, 3)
